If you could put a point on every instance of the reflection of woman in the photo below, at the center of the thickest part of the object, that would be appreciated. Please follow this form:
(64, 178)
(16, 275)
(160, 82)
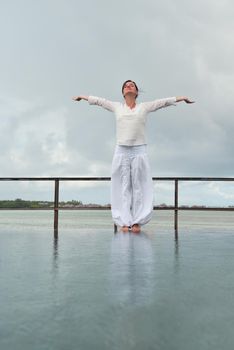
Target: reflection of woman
(131, 181)
(132, 273)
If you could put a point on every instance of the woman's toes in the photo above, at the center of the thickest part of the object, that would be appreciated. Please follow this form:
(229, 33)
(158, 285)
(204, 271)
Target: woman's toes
(124, 228)
(136, 228)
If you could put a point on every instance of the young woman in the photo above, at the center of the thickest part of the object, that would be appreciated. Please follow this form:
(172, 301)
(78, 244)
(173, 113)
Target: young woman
(131, 180)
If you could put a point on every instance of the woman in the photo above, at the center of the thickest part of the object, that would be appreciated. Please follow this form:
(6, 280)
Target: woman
(131, 180)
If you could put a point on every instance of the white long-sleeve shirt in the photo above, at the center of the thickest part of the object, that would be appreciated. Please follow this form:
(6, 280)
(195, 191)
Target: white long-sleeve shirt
(131, 123)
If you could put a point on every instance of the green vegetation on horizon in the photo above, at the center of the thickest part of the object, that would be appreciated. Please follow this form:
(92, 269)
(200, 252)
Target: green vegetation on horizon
(20, 203)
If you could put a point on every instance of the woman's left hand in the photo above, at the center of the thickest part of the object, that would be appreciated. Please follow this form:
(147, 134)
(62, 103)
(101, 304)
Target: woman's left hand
(183, 98)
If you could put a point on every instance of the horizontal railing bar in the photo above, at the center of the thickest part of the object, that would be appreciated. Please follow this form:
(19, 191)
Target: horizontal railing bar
(33, 209)
(108, 208)
(55, 178)
(93, 178)
(194, 178)
(206, 208)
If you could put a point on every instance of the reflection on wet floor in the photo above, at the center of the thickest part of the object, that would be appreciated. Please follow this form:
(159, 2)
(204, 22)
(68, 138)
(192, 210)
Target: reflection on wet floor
(131, 268)
(93, 289)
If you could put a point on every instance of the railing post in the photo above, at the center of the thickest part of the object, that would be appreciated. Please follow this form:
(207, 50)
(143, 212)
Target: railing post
(176, 206)
(56, 204)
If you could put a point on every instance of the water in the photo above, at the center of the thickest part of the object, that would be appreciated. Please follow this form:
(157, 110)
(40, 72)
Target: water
(91, 289)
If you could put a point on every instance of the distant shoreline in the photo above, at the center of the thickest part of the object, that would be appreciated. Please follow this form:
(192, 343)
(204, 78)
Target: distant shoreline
(26, 204)
(73, 204)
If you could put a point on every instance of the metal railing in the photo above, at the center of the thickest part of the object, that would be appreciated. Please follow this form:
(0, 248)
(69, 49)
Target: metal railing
(175, 207)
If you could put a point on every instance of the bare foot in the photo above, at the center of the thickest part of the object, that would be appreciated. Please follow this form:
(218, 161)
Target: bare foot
(136, 228)
(124, 228)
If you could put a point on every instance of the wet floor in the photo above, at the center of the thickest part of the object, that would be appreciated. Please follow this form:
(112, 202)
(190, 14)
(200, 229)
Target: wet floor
(93, 289)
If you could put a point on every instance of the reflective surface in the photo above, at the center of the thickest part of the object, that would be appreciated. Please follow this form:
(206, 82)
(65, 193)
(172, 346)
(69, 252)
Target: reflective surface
(92, 289)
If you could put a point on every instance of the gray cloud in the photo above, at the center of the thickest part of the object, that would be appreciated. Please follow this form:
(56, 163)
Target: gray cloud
(53, 50)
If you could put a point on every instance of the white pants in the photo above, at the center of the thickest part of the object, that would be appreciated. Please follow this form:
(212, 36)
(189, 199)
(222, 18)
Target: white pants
(131, 186)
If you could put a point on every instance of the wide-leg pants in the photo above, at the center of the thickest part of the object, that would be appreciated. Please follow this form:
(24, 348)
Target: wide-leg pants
(131, 186)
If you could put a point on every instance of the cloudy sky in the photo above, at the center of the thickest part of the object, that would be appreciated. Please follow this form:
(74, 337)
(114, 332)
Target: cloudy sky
(52, 50)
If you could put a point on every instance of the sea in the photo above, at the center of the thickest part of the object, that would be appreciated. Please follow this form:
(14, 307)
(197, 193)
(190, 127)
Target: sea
(87, 287)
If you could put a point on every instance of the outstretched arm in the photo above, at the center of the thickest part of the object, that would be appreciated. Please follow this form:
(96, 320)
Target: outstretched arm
(184, 98)
(164, 102)
(93, 100)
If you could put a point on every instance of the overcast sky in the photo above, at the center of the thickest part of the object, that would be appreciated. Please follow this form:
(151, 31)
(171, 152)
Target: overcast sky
(52, 50)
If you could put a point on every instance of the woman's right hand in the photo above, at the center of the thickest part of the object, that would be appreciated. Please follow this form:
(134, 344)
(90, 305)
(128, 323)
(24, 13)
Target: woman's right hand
(79, 98)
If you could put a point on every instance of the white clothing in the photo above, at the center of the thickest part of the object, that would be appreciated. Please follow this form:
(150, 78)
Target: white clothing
(131, 186)
(130, 123)
(131, 181)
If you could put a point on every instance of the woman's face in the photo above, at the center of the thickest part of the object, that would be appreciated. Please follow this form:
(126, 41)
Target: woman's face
(130, 88)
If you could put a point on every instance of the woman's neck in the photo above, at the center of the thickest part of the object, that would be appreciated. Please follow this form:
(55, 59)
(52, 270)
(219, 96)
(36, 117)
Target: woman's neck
(130, 101)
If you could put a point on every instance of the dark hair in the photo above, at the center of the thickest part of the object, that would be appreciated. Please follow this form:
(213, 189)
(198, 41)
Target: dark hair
(127, 81)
